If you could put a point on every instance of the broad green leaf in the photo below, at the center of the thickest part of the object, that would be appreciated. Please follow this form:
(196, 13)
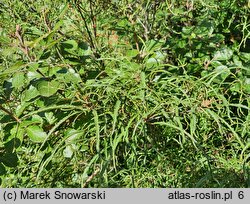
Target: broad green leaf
(68, 151)
(246, 85)
(18, 80)
(187, 31)
(245, 56)
(132, 53)
(223, 72)
(159, 55)
(182, 43)
(17, 132)
(224, 54)
(205, 28)
(237, 61)
(72, 135)
(154, 60)
(37, 119)
(36, 134)
(31, 93)
(70, 76)
(153, 45)
(236, 87)
(84, 146)
(47, 88)
(215, 63)
(123, 23)
(83, 49)
(21, 107)
(50, 117)
(9, 159)
(69, 45)
(222, 68)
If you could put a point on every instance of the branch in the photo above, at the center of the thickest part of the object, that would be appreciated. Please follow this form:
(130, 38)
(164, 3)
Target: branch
(24, 47)
(10, 114)
(86, 26)
(90, 178)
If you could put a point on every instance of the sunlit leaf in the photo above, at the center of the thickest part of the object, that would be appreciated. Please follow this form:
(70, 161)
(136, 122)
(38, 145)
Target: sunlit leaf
(224, 54)
(68, 151)
(31, 93)
(18, 80)
(72, 135)
(36, 133)
(48, 88)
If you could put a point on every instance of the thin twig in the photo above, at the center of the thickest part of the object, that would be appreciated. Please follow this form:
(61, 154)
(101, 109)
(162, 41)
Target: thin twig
(91, 41)
(46, 21)
(86, 26)
(10, 114)
(24, 47)
(92, 17)
(90, 178)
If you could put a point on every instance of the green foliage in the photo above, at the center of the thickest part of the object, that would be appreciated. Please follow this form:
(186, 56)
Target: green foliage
(124, 93)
